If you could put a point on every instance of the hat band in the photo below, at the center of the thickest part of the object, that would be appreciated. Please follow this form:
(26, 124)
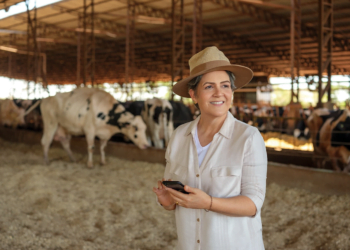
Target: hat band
(208, 65)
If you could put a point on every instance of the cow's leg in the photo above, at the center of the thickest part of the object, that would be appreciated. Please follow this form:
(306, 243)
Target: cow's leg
(344, 155)
(155, 137)
(346, 168)
(335, 165)
(334, 153)
(90, 138)
(157, 142)
(103, 144)
(49, 132)
(66, 145)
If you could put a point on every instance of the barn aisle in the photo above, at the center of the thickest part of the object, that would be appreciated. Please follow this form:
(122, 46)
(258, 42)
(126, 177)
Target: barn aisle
(67, 206)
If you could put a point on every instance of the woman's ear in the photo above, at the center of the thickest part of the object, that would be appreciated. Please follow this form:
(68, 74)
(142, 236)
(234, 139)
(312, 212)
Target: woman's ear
(193, 96)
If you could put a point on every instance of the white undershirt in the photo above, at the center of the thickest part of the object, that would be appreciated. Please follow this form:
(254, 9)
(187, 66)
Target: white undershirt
(201, 151)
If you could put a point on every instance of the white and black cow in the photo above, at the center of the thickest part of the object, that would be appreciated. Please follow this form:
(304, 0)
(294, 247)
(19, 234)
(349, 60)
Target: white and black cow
(158, 116)
(90, 112)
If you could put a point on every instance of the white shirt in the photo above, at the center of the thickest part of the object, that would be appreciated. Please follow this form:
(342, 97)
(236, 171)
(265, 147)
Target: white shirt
(201, 151)
(235, 164)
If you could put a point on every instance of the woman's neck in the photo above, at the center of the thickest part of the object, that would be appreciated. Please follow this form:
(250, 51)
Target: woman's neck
(209, 126)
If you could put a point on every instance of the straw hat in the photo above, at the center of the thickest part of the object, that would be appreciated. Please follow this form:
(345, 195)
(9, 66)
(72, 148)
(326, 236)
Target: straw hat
(208, 60)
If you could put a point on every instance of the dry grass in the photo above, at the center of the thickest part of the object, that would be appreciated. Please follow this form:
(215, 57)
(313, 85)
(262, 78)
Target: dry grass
(67, 206)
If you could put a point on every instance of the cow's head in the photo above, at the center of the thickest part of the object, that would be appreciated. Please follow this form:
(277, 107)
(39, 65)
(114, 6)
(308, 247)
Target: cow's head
(19, 118)
(135, 130)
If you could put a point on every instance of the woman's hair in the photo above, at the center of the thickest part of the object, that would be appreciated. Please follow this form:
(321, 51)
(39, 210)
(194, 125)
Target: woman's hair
(194, 83)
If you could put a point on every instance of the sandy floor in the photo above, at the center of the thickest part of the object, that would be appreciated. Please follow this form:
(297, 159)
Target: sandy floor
(67, 206)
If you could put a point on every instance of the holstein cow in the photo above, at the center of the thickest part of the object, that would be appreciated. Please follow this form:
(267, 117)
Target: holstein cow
(10, 114)
(158, 116)
(331, 136)
(90, 112)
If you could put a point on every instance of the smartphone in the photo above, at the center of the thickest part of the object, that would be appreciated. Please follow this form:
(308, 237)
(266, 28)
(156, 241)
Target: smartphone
(176, 185)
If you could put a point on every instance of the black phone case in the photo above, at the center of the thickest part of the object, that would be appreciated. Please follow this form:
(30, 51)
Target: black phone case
(176, 185)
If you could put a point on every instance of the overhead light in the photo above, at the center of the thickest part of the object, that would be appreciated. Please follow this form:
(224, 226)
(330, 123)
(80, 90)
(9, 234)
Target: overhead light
(12, 31)
(9, 49)
(52, 40)
(151, 20)
(259, 2)
(107, 33)
(43, 39)
(111, 34)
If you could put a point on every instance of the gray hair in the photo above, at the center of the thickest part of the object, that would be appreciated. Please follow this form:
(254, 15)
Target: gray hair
(193, 84)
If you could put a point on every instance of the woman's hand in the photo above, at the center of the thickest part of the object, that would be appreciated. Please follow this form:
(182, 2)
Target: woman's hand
(163, 195)
(196, 198)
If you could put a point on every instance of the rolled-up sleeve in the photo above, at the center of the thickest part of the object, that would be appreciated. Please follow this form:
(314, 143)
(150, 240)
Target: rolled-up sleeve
(254, 170)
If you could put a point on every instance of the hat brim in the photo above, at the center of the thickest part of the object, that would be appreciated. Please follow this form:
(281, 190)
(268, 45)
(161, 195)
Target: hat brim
(243, 75)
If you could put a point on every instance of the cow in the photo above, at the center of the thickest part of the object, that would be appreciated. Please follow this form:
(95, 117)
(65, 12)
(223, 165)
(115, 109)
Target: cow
(330, 131)
(10, 114)
(301, 129)
(90, 112)
(262, 117)
(181, 113)
(158, 116)
(33, 119)
(292, 116)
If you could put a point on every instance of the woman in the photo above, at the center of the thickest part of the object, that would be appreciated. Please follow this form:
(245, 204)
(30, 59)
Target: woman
(221, 161)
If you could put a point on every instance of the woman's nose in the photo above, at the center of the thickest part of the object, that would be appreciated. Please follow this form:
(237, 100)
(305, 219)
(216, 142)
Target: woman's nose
(218, 91)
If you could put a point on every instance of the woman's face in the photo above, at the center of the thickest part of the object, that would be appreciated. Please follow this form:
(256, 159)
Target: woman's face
(213, 94)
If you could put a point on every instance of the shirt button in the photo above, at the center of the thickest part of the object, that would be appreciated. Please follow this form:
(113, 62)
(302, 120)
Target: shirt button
(197, 175)
(198, 241)
(198, 219)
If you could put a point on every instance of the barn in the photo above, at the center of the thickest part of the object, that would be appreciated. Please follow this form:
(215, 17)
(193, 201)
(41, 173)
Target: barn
(125, 56)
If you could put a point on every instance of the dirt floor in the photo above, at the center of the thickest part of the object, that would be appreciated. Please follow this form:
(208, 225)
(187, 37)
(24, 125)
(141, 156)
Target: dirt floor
(67, 206)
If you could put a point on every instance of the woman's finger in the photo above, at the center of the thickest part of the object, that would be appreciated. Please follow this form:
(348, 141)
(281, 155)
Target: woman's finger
(160, 185)
(177, 194)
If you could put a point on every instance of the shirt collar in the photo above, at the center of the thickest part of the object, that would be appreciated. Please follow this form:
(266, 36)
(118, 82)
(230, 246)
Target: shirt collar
(225, 130)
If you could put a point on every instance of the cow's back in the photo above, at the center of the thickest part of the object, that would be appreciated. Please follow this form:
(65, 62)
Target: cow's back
(77, 109)
(134, 107)
(181, 113)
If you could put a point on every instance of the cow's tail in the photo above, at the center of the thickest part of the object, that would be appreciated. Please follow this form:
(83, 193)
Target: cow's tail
(32, 107)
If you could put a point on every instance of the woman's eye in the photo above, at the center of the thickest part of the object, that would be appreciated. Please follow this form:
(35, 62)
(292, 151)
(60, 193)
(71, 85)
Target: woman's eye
(207, 87)
(226, 86)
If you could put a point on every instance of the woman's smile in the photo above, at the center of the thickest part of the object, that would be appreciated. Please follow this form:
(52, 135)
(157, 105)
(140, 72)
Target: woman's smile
(217, 103)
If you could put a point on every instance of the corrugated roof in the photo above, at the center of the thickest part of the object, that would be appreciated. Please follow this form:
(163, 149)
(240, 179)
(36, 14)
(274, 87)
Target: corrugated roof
(252, 33)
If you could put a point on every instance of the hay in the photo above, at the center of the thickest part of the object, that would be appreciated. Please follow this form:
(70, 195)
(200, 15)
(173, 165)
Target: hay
(67, 206)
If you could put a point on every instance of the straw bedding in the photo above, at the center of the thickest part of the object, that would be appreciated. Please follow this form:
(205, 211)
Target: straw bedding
(67, 206)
